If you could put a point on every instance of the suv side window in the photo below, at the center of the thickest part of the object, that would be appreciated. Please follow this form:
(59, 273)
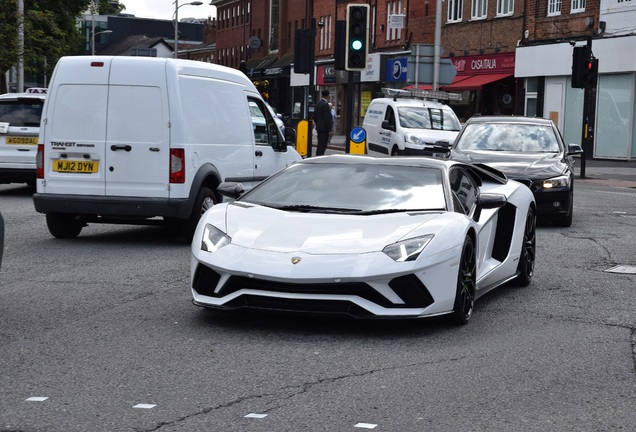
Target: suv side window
(464, 191)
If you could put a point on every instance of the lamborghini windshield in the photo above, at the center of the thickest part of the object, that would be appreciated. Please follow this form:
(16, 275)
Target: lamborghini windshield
(352, 188)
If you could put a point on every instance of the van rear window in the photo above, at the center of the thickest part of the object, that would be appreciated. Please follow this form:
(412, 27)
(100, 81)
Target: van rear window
(24, 112)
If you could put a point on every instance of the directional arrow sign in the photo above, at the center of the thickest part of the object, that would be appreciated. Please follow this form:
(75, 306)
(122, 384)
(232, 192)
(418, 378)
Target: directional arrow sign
(358, 135)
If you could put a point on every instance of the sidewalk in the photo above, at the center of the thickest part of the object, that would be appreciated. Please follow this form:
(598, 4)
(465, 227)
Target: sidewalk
(608, 172)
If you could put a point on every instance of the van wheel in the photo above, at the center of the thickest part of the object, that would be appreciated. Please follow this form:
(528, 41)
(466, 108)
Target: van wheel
(63, 226)
(205, 199)
(395, 151)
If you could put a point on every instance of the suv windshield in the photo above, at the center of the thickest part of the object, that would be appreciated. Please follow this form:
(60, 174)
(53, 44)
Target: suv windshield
(23, 112)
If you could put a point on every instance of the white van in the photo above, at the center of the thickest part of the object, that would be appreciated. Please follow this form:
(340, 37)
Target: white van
(402, 126)
(20, 115)
(142, 140)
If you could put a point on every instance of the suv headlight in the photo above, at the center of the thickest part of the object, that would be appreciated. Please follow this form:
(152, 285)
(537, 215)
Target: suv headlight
(555, 182)
(413, 139)
(214, 239)
(407, 250)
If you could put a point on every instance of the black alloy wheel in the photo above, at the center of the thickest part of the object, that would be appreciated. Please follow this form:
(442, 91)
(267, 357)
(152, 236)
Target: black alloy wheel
(528, 250)
(466, 284)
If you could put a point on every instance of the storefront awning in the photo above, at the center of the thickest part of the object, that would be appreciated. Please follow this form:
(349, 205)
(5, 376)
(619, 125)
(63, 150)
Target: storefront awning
(473, 82)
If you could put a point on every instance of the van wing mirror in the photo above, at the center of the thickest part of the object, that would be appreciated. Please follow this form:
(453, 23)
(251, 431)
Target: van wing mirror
(387, 125)
(290, 136)
(231, 189)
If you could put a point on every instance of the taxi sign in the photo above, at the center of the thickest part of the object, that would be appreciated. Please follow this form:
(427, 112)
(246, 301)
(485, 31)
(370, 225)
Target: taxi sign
(36, 90)
(358, 135)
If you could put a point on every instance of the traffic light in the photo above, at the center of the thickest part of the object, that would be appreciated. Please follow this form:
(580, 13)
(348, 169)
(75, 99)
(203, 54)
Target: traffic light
(357, 38)
(584, 68)
(591, 72)
(302, 51)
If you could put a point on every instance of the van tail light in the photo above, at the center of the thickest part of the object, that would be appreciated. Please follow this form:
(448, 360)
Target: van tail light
(177, 166)
(39, 162)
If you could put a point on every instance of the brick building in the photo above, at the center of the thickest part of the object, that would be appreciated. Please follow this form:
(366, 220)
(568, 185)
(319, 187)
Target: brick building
(510, 56)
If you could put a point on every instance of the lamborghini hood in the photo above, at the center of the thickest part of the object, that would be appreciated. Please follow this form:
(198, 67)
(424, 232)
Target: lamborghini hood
(269, 229)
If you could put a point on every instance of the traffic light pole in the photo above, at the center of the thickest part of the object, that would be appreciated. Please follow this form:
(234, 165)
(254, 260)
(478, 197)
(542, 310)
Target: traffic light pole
(312, 87)
(586, 135)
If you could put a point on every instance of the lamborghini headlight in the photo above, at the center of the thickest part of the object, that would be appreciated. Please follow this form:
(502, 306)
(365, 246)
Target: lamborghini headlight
(214, 239)
(556, 182)
(407, 250)
(413, 139)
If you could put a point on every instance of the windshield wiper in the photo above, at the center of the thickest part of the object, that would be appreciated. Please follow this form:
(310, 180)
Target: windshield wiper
(384, 211)
(314, 209)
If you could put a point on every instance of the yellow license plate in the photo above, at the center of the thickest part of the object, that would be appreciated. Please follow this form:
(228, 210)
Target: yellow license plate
(75, 166)
(22, 140)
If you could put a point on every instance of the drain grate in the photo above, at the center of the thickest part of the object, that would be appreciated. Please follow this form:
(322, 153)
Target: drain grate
(622, 269)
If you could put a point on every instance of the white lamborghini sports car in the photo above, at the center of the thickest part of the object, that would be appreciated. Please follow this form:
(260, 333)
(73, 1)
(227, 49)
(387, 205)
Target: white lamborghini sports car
(367, 237)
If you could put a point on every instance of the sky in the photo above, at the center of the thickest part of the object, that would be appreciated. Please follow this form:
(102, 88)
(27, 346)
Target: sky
(164, 9)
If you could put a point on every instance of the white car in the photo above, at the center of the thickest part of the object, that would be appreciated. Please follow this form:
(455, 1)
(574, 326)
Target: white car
(366, 237)
(19, 127)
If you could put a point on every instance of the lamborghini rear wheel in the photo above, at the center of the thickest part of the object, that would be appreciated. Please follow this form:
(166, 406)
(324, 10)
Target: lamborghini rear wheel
(466, 284)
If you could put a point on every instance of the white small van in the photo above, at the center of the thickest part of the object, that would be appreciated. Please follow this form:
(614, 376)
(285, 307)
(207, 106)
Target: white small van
(141, 140)
(403, 126)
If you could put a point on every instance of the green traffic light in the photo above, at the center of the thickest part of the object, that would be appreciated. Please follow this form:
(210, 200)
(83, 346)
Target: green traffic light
(356, 44)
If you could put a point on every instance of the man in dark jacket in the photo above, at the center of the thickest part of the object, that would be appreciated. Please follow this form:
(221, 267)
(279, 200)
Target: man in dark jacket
(324, 122)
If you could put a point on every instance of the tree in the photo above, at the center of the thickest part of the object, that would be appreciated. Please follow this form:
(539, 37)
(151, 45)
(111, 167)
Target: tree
(50, 32)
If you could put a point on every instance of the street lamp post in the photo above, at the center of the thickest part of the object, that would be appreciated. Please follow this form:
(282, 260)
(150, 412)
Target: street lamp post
(176, 23)
(93, 39)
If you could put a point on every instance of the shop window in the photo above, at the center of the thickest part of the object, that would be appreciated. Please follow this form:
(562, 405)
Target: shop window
(532, 85)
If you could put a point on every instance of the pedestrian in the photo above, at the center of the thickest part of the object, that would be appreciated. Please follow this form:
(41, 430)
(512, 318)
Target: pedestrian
(324, 122)
(333, 124)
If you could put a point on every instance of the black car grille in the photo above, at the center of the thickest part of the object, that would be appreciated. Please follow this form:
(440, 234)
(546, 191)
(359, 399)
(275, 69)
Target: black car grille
(409, 288)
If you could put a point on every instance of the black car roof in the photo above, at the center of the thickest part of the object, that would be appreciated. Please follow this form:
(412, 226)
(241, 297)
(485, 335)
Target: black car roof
(510, 119)
(478, 170)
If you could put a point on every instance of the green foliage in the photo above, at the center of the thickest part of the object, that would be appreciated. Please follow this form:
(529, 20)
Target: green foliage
(50, 31)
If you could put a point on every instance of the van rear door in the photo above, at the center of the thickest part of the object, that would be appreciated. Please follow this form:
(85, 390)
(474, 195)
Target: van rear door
(73, 129)
(137, 148)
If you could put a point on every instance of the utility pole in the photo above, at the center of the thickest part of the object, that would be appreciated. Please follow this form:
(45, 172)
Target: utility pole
(20, 84)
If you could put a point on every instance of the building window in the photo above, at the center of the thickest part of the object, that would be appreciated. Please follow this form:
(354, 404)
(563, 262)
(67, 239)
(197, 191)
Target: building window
(274, 14)
(455, 10)
(506, 7)
(577, 6)
(393, 8)
(554, 7)
(479, 9)
(325, 33)
(143, 52)
(532, 92)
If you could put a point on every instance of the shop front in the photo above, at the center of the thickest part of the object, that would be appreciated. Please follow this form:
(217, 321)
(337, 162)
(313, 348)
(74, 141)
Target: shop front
(486, 82)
